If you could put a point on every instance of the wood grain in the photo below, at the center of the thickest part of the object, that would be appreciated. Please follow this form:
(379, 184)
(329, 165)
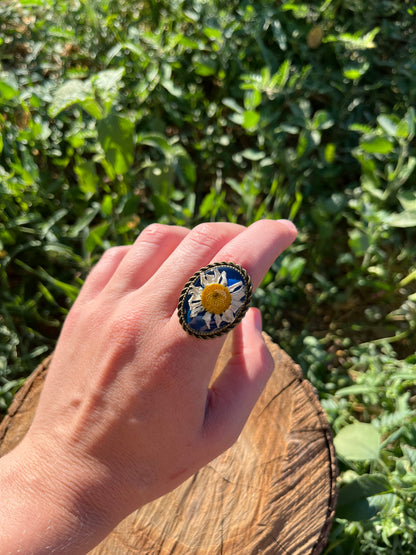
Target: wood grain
(273, 492)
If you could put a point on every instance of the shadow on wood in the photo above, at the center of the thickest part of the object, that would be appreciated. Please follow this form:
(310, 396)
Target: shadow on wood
(273, 492)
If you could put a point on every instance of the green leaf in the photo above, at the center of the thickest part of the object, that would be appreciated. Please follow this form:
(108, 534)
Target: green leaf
(358, 442)
(92, 107)
(155, 140)
(253, 155)
(356, 389)
(410, 453)
(300, 11)
(106, 84)
(388, 124)
(9, 87)
(95, 236)
(358, 242)
(402, 219)
(250, 119)
(296, 205)
(403, 129)
(72, 92)
(292, 267)
(330, 152)
(353, 503)
(233, 105)
(360, 128)
(107, 205)
(322, 120)
(69, 290)
(87, 177)
(356, 41)
(376, 145)
(410, 119)
(355, 71)
(108, 80)
(252, 99)
(204, 66)
(363, 486)
(407, 170)
(170, 86)
(279, 34)
(408, 200)
(84, 220)
(51, 221)
(185, 169)
(212, 33)
(160, 177)
(281, 77)
(116, 135)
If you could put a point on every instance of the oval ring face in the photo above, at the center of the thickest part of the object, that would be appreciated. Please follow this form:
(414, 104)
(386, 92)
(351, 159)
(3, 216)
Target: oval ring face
(215, 299)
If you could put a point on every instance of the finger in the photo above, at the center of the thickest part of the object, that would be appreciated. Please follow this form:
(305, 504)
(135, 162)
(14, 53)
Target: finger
(102, 272)
(236, 390)
(154, 244)
(258, 247)
(255, 249)
(194, 252)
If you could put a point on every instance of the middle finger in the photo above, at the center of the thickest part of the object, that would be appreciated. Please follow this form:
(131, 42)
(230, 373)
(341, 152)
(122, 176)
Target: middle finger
(255, 249)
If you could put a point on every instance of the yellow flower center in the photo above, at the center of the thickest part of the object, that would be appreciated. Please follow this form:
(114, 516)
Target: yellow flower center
(215, 298)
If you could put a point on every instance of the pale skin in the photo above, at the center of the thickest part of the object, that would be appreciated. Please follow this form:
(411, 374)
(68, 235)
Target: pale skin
(128, 410)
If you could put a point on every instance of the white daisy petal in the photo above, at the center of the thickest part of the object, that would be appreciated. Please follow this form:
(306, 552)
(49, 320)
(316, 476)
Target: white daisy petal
(235, 305)
(235, 286)
(210, 277)
(207, 319)
(238, 296)
(223, 278)
(228, 315)
(195, 309)
(195, 290)
(218, 319)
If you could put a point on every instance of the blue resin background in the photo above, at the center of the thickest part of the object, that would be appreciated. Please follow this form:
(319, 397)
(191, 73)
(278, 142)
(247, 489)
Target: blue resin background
(197, 323)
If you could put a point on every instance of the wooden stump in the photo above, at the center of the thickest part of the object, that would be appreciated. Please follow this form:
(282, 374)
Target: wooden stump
(273, 492)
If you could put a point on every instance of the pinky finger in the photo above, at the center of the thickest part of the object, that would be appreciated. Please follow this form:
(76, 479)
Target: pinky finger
(102, 272)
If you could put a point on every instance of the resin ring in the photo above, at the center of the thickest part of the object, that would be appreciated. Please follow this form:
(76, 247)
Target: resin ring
(214, 299)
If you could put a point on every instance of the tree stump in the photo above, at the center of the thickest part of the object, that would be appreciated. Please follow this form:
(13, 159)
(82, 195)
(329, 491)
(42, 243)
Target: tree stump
(273, 492)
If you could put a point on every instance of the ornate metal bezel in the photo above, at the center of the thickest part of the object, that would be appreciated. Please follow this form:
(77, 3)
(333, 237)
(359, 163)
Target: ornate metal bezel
(216, 332)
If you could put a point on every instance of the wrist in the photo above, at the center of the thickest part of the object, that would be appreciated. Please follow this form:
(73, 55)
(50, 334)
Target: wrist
(52, 501)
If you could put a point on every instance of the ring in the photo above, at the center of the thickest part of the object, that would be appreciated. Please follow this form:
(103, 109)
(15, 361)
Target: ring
(215, 299)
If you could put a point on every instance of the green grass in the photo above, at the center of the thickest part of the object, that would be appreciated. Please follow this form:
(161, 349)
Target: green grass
(117, 114)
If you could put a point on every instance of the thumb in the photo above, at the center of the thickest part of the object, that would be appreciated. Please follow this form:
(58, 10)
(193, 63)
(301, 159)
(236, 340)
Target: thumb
(235, 391)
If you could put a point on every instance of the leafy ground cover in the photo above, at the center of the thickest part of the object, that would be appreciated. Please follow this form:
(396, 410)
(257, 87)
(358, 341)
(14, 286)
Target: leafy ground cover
(117, 114)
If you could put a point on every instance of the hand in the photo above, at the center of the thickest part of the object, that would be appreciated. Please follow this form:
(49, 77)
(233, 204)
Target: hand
(128, 410)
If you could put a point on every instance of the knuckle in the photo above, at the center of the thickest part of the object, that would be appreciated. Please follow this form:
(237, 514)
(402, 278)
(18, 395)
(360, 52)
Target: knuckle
(126, 324)
(112, 252)
(154, 233)
(205, 235)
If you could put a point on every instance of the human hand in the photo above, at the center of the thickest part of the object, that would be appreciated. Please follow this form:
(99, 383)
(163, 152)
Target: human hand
(128, 410)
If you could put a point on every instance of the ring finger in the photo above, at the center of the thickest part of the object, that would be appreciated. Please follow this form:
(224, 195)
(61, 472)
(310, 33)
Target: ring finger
(154, 244)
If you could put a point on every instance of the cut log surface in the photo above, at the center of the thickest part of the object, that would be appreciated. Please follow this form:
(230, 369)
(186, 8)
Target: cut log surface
(273, 492)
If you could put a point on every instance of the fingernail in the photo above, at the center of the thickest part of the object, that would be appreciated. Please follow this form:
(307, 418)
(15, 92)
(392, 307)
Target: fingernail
(257, 319)
(290, 225)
